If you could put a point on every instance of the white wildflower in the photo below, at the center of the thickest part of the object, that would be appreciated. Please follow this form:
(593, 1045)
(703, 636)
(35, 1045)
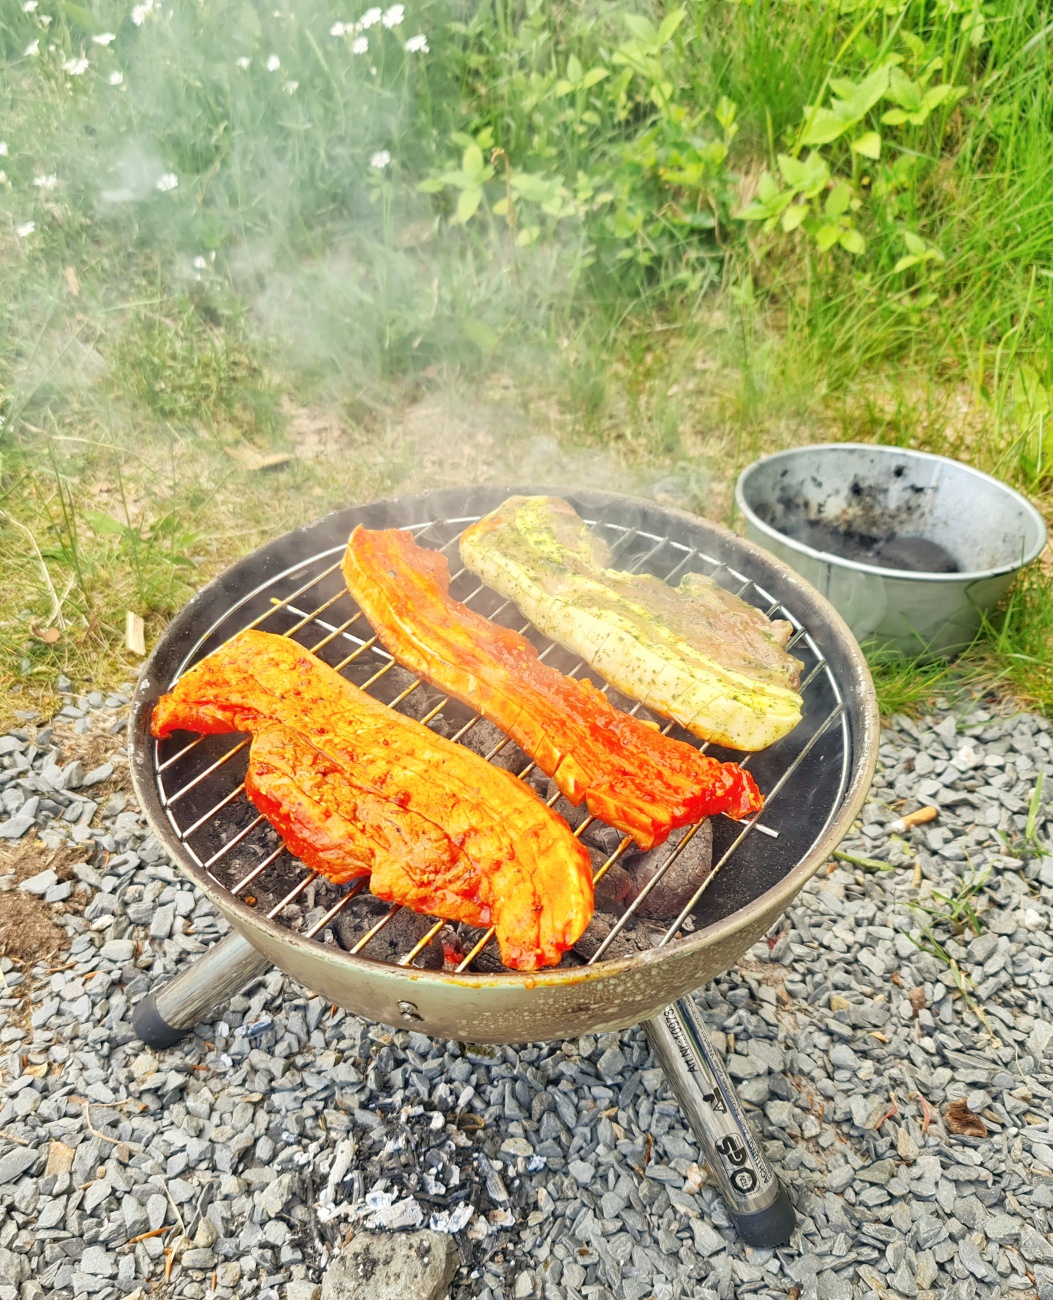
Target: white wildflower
(139, 12)
(337, 29)
(45, 182)
(169, 181)
(291, 87)
(44, 20)
(115, 78)
(199, 263)
(75, 67)
(417, 44)
(273, 63)
(371, 17)
(3, 177)
(30, 7)
(380, 160)
(3, 148)
(32, 48)
(393, 17)
(359, 45)
(105, 38)
(243, 63)
(23, 232)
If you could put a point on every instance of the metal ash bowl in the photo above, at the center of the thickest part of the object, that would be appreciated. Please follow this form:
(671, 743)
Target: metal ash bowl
(912, 550)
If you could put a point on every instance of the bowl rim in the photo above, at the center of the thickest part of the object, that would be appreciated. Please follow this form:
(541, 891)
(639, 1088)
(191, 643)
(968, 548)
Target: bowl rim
(901, 575)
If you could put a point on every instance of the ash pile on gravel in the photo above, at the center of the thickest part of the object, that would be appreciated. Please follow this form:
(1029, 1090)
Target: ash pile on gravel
(239, 1161)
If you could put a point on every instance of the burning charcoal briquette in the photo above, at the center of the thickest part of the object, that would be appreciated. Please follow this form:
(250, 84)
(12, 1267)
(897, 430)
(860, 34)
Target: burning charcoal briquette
(603, 837)
(485, 737)
(572, 815)
(614, 887)
(636, 937)
(420, 701)
(402, 932)
(677, 884)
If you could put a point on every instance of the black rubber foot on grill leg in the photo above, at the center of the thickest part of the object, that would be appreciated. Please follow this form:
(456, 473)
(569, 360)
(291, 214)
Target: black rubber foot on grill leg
(769, 1227)
(151, 1028)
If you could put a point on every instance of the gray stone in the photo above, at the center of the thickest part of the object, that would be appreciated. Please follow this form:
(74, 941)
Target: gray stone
(972, 1259)
(612, 1063)
(40, 883)
(780, 1113)
(97, 775)
(277, 1194)
(16, 1162)
(1034, 1247)
(707, 1240)
(162, 921)
(903, 1280)
(13, 1268)
(98, 1262)
(1002, 1228)
(197, 1257)
(395, 1266)
(118, 950)
(15, 827)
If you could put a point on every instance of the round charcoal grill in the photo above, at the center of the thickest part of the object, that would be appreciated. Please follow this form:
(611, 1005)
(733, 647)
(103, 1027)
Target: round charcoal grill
(815, 780)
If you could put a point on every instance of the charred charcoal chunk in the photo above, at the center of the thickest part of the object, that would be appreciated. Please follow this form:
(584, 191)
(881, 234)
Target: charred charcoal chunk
(488, 962)
(614, 889)
(603, 837)
(677, 884)
(571, 958)
(398, 937)
(636, 937)
(537, 781)
(571, 814)
(484, 737)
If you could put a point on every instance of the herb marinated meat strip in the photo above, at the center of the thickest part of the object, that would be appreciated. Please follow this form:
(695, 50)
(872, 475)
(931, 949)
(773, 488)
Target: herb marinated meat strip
(628, 773)
(356, 789)
(696, 652)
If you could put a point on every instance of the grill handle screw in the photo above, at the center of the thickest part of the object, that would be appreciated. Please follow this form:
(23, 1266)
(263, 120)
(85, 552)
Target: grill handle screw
(756, 1200)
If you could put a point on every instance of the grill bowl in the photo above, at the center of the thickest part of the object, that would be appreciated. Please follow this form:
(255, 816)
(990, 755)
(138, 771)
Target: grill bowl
(816, 778)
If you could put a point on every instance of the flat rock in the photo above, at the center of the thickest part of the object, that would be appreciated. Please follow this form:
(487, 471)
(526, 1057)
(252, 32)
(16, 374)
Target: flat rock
(392, 1266)
(15, 1163)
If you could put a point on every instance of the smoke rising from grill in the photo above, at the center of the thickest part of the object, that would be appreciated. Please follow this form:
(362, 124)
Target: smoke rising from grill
(230, 248)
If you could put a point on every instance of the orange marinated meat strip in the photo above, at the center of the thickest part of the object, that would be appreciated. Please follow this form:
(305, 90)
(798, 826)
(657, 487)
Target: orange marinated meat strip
(628, 773)
(356, 789)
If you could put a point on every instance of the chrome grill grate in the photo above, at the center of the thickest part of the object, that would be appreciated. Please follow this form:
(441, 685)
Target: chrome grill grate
(200, 783)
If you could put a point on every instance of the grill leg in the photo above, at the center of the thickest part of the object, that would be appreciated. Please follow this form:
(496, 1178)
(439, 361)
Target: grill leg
(164, 1017)
(756, 1200)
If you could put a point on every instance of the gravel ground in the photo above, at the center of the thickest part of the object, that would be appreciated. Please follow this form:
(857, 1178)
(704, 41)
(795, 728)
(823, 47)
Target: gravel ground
(237, 1163)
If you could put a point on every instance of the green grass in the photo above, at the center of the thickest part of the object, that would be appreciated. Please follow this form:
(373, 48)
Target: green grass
(522, 251)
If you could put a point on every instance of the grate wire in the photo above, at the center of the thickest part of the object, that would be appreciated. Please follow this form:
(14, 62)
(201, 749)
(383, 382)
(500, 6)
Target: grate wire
(332, 632)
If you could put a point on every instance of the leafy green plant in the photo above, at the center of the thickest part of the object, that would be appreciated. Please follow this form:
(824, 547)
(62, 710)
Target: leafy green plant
(958, 911)
(815, 194)
(808, 199)
(618, 150)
